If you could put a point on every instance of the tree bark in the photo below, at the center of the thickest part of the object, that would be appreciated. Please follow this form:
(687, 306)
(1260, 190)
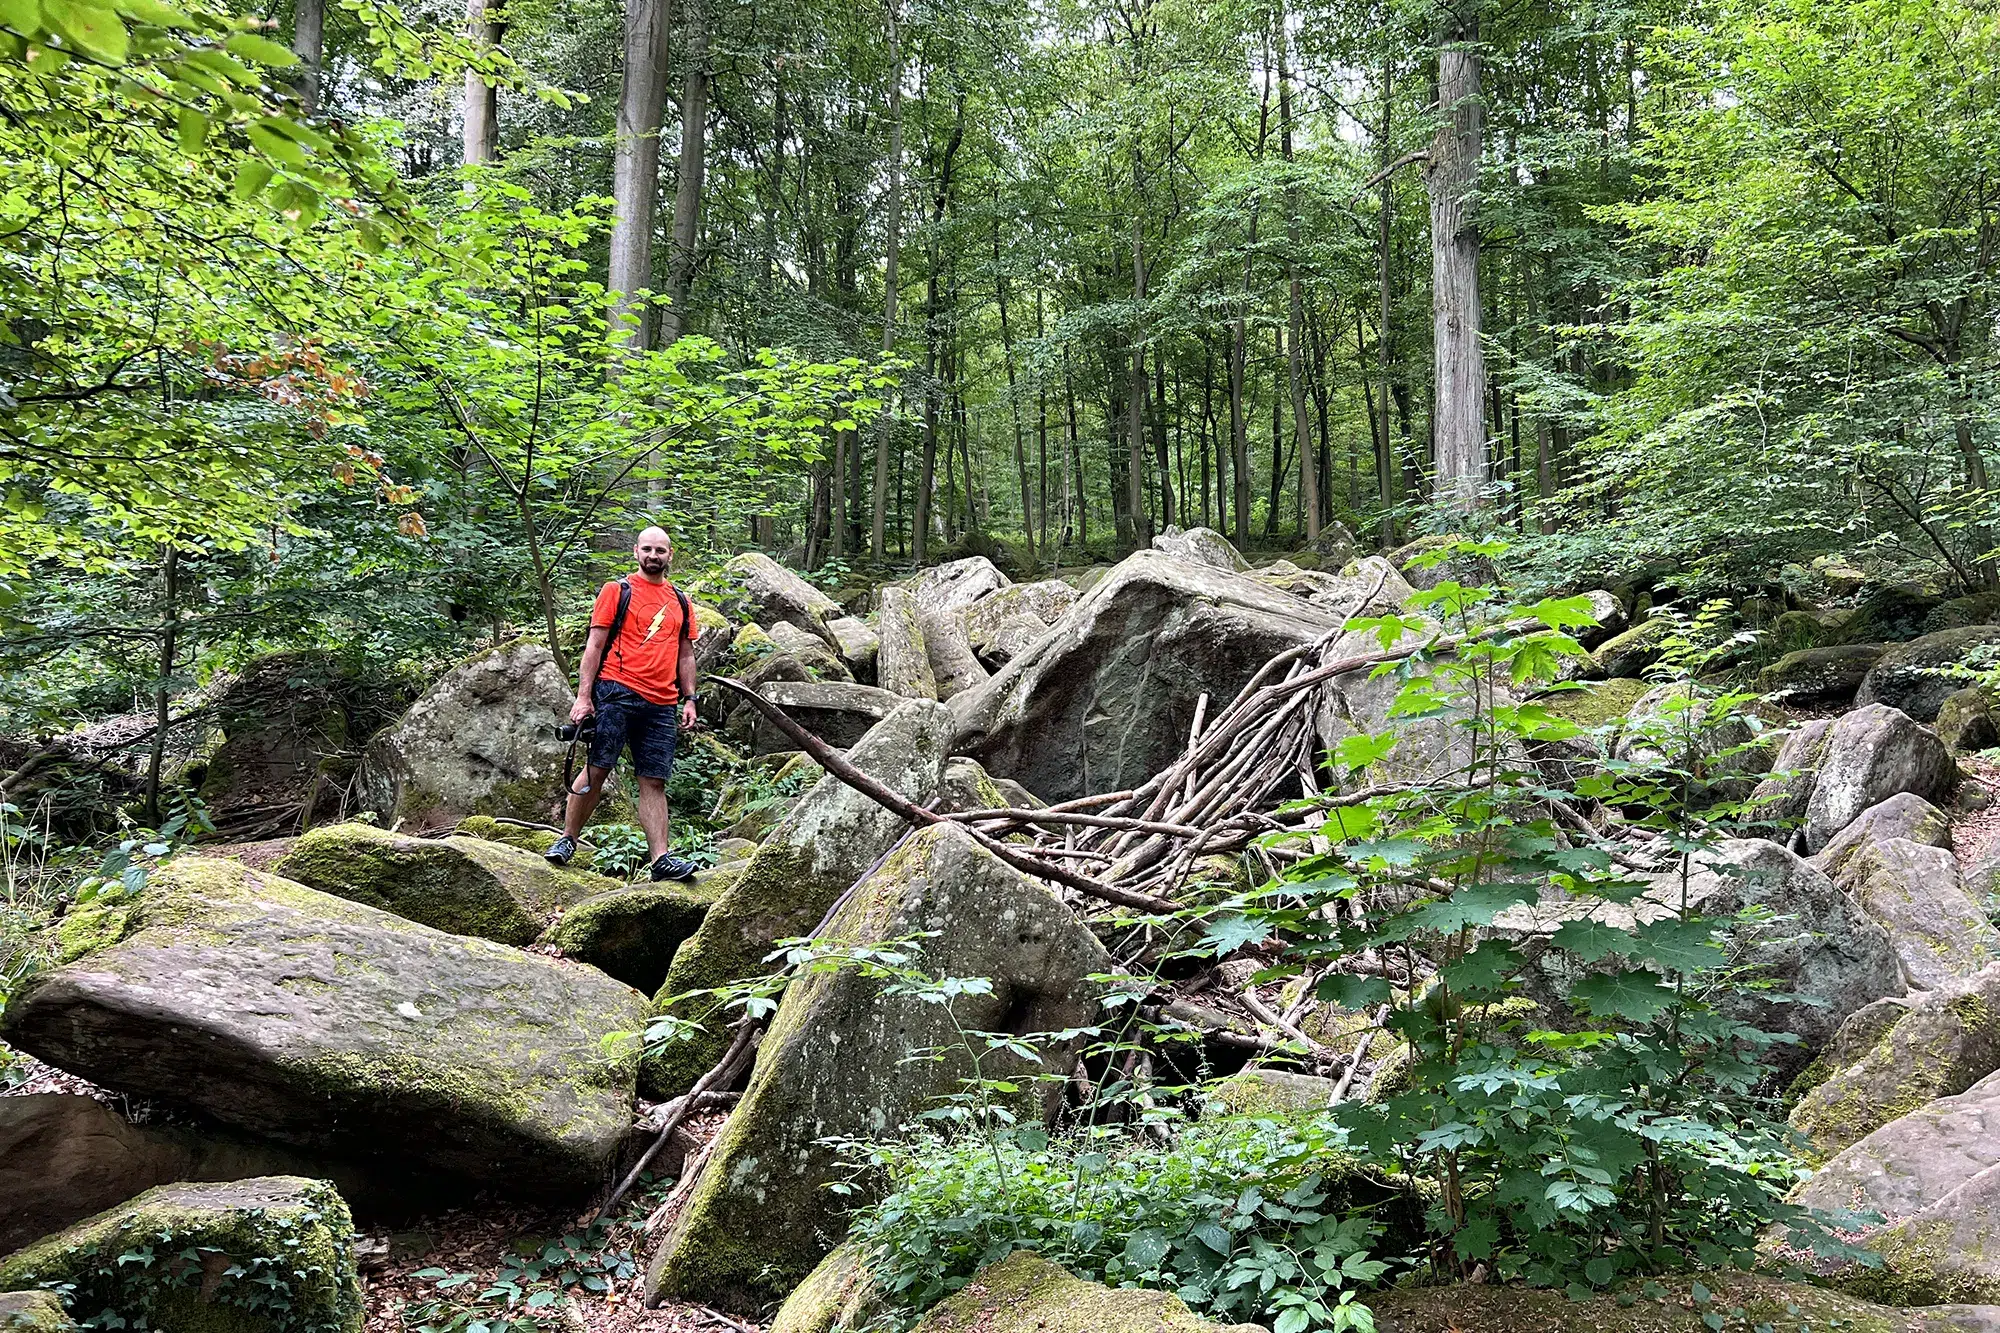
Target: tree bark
(1013, 400)
(481, 117)
(309, 45)
(1385, 454)
(688, 182)
(162, 692)
(1459, 446)
(884, 425)
(635, 163)
(1294, 367)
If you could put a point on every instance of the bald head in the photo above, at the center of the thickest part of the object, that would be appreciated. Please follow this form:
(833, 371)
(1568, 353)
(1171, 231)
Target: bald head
(654, 551)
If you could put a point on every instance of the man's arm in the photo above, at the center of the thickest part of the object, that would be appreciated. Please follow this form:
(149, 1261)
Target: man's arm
(586, 672)
(684, 676)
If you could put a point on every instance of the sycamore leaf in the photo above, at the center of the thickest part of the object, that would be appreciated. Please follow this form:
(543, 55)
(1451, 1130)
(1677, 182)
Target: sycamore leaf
(1592, 940)
(1233, 932)
(1636, 996)
(1678, 946)
(1349, 992)
(1473, 905)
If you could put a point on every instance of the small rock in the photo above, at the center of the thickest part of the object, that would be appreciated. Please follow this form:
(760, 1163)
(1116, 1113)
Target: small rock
(1904, 815)
(1272, 1092)
(859, 646)
(1629, 653)
(1912, 891)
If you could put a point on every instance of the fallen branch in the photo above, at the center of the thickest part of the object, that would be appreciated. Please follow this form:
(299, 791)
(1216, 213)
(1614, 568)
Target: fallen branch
(725, 1071)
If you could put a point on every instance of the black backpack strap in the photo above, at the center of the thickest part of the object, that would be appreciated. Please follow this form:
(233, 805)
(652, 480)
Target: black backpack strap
(687, 612)
(618, 617)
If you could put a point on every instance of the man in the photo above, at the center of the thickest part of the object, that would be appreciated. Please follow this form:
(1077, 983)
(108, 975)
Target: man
(640, 685)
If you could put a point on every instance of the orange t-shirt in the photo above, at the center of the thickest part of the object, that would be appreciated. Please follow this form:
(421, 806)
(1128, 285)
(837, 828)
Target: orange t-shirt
(646, 655)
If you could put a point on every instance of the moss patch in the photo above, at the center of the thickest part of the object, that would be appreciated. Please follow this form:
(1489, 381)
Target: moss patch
(632, 934)
(32, 1312)
(1788, 1307)
(1025, 1293)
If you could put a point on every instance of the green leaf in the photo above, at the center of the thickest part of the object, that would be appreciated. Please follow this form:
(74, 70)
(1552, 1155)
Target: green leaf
(155, 13)
(251, 177)
(98, 33)
(192, 130)
(277, 146)
(260, 50)
(1233, 932)
(23, 16)
(1591, 940)
(1351, 992)
(1678, 946)
(1144, 1249)
(1599, 1271)
(1637, 996)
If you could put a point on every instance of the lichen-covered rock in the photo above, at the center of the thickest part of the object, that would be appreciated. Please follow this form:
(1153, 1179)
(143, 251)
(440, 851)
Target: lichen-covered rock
(1897, 1055)
(290, 722)
(1594, 704)
(718, 635)
(954, 665)
(273, 1254)
(1016, 635)
(1890, 614)
(33, 1312)
(1608, 612)
(1965, 721)
(859, 646)
(1047, 602)
(481, 741)
(839, 1296)
(1909, 677)
(776, 594)
(812, 857)
(1107, 698)
(467, 886)
(835, 1063)
(823, 662)
(1631, 651)
(1982, 608)
(1025, 1293)
(1436, 746)
(1474, 571)
(631, 934)
(1871, 754)
(1904, 815)
(1677, 725)
(839, 713)
(1815, 677)
(1929, 1175)
(1913, 892)
(536, 839)
(954, 585)
(1779, 800)
(321, 1022)
(1202, 546)
(1343, 591)
(903, 664)
(1271, 1092)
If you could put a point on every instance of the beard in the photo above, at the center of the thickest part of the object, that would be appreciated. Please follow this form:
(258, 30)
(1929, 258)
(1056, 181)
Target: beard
(653, 565)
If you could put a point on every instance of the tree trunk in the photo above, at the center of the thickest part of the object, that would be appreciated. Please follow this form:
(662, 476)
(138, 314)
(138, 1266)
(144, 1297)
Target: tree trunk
(1294, 367)
(688, 183)
(1239, 427)
(1013, 401)
(884, 424)
(1081, 497)
(1135, 406)
(635, 162)
(481, 117)
(1459, 444)
(309, 45)
(162, 692)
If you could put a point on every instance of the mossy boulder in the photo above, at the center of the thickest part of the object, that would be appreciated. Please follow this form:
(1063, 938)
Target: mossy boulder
(839, 1296)
(1274, 1093)
(836, 1061)
(778, 595)
(1965, 721)
(806, 863)
(859, 647)
(717, 634)
(1982, 608)
(1890, 614)
(1631, 652)
(33, 1312)
(1913, 891)
(1594, 704)
(1871, 754)
(1815, 677)
(1793, 630)
(318, 1021)
(839, 713)
(1898, 1055)
(536, 839)
(467, 886)
(1910, 676)
(631, 934)
(1025, 1293)
(955, 584)
(1903, 816)
(273, 1254)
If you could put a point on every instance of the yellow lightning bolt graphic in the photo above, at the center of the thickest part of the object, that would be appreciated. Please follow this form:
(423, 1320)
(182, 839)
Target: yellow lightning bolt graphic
(654, 628)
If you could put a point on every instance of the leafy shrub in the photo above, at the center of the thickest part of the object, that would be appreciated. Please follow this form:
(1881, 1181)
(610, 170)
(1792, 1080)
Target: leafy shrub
(621, 850)
(526, 1295)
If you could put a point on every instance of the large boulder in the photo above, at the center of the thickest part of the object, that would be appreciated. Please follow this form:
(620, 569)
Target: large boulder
(273, 1254)
(1016, 635)
(813, 856)
(776, 595)
(1201, 546)
(1630, 652)
(1904, 815)
(1981, 608)
(839, 1296)
(1965, 721)
(823, 662)
(953, 663)
(481, 741)
(955, 585)
(1342, 591)
(1780, 798)
(1912, 891)
(1047, 602)
(836, 1062)
(631, 934)
(64, 1157)
(903, 663)
(838, 713)
(1025, 1293)
(1816, 677)
(1106, 700)
(1677, 725)
(317, 1021)
(1910, 676)
(1929, 1175)
(1897, 1055)
(1890, 614)
(464, 885)
(1872, 754)
(859, 646)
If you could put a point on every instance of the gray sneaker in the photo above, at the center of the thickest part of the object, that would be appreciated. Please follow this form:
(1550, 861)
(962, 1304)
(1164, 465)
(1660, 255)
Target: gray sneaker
(560, 851)
(673, 867)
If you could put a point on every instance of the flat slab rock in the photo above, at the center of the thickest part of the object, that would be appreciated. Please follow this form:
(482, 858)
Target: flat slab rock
(1466, 1308)
(1025, 1293)
(317, 1021)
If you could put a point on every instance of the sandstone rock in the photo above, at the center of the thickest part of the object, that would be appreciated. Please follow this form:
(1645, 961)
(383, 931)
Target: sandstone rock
(1202, 546)
(1897, 1055)
(1965, 721)
(1272, 1092)
(812, 857)
(954, 665)
(1928, 1175)
(467, 886)
(838, 713)
(823, 662)
(903, 665)
(1047, 601)
(1904, 815)
(1342, 592)
(1471, 570)
(317, 1021)
(859, 646)
(1912, 891)
(777, 595)
(1676, 725)
(1631, 651)
(481, 741)
(1813, 677)
(1107, 698)
(839, 1296)
(835, 1062)
(288, 720)
(1908, 678)
(1871, 754)
(33, 1312)
(1889, 614)
(276, 1255)
(64, 1157)
(1780, 799)
(1025, 1293)
(631, 934)
(1610, 615)
(1982, 608)
(718, 634)
(954, 585)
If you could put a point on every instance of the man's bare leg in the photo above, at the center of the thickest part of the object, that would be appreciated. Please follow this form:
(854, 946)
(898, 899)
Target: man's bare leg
(653, 816)
(582, 804)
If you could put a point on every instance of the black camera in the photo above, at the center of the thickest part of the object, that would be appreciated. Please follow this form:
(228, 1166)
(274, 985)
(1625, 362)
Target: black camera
(570, 731)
